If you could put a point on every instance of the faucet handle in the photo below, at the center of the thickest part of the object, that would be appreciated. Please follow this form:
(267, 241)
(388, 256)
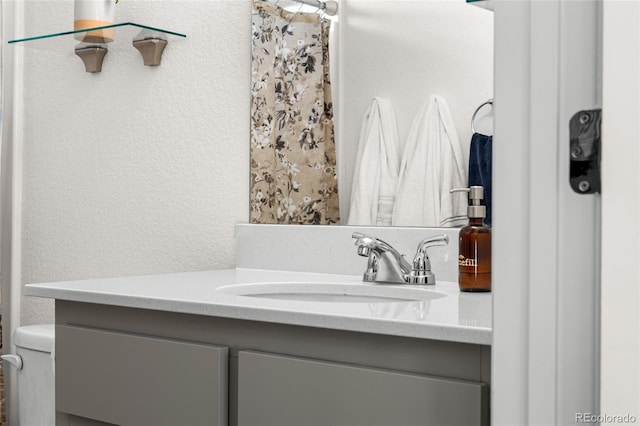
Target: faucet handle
(364, 243)
(363, 240)
(421, 270)
(439, 240)
(358, 236)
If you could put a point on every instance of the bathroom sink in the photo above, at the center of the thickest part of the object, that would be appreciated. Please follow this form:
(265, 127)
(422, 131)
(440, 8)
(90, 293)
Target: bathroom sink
(333, 293)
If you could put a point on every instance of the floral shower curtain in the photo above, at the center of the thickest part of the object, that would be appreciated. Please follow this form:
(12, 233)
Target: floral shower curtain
(293, 157)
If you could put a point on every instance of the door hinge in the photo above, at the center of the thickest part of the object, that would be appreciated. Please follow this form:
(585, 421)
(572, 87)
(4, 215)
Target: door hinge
(584, 151)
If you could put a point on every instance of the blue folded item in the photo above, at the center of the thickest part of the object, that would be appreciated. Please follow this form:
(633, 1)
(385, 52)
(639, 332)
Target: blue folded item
(480, 168)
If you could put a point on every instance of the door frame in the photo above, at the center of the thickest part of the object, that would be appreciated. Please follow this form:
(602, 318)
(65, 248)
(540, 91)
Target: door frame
(11, 193)
(620, 351)
(545, 352)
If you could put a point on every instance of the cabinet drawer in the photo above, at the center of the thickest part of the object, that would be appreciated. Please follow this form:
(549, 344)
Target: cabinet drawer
(279, 390)
(138, 380)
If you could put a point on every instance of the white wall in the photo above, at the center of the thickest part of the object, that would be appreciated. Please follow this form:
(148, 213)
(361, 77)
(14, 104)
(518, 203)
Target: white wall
(405, 51)
(620, 317)
(135, 170)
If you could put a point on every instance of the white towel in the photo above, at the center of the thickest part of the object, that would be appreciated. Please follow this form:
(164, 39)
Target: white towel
(431, 166)
(375, 177)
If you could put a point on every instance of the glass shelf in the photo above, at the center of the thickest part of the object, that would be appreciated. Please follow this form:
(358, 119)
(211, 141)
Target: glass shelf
(124, 29)
(92, 44)
(485, 4)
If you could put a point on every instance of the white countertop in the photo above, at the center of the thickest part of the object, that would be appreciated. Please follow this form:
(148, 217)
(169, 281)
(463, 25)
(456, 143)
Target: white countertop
(452, 316)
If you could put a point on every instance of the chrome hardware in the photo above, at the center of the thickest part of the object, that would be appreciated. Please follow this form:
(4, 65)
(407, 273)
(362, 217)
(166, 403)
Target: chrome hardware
(585, 151)
(395, 267)
(386, 265)
(475, 113)
(421, 271)
(14, 360)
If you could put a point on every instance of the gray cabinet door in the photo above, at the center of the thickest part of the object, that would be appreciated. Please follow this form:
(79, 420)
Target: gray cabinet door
(285, 391)
(128, 379)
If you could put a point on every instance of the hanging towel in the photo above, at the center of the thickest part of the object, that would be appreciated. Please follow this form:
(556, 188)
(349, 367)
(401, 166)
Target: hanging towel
(480, 168)
(375, 176)
(431, 166)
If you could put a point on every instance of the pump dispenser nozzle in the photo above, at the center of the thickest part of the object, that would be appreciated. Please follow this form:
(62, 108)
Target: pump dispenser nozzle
(474, 209)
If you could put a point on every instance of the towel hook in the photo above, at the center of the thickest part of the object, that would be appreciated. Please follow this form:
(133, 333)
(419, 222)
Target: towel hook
(473, 117)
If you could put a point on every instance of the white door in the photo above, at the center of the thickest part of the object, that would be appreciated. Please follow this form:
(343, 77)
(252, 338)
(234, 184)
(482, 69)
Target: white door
(546, 237)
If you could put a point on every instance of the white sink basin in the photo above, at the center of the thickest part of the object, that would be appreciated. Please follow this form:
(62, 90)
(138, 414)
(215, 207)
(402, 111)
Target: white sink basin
(333, 293)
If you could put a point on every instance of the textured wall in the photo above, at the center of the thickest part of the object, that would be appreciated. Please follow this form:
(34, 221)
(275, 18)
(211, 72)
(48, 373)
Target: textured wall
(135, 170)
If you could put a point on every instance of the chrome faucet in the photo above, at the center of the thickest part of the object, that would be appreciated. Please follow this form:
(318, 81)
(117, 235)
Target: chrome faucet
(386, 265)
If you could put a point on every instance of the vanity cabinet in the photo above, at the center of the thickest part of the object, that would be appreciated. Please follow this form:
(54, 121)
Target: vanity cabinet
(275, 390)
(133, 366)
(128, 379)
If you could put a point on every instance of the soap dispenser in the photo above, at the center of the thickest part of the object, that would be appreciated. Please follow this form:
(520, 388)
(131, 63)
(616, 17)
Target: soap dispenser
(474, 256)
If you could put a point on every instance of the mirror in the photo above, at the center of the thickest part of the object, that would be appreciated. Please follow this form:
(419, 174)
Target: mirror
(403, 52)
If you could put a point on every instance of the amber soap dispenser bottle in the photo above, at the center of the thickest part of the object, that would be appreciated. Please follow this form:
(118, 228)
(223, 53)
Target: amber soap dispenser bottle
(474, 257)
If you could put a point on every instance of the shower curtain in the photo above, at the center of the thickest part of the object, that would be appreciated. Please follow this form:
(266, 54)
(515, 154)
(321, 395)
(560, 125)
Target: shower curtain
(293, 156)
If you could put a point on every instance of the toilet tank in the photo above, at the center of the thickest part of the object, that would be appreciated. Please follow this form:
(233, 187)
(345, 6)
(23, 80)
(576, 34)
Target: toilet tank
(36, 386)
